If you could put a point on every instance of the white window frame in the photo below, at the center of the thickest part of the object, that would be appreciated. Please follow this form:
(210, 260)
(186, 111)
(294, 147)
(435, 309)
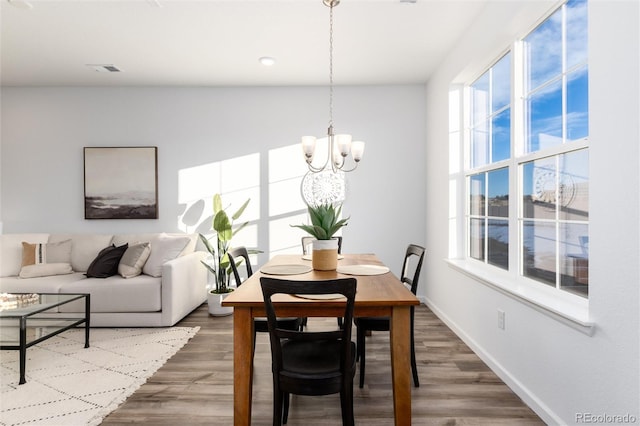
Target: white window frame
(564, 306)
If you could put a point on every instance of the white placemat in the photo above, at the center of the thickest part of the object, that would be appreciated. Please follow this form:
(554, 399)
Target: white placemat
(331, 296)
(310, 256)
(286, 269)
(362, 269)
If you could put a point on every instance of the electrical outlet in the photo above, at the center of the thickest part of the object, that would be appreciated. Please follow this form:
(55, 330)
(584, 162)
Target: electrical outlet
(500, 319)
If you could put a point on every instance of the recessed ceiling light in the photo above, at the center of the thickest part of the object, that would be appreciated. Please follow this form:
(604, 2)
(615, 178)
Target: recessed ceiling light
(267, 61)
(21, 4)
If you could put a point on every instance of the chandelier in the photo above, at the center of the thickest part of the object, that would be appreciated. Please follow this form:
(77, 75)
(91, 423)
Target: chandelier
(338, 146)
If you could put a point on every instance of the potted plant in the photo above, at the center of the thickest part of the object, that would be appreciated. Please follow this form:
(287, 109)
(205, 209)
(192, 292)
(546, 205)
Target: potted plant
(325, 222)
(219, 264)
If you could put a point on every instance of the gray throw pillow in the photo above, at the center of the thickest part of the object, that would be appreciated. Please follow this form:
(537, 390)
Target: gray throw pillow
(134, 259)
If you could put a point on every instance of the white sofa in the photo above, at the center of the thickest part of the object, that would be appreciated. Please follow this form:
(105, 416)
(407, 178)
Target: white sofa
(141, 301)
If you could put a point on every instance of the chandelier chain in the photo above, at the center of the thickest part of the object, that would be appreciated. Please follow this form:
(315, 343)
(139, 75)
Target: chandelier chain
(331, 65)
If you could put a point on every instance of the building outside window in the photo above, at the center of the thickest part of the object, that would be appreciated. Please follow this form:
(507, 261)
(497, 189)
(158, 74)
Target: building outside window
(528, 175)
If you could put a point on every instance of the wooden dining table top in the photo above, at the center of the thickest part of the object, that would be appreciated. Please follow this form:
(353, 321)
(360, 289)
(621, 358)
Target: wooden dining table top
(382, 290)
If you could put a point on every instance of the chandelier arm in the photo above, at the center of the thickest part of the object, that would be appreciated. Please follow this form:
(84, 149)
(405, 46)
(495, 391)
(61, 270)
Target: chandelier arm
(349, 170)
(315, 169)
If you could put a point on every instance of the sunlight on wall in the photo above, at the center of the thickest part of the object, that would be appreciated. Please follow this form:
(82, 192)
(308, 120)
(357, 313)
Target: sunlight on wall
(238, 179)
(286, 206)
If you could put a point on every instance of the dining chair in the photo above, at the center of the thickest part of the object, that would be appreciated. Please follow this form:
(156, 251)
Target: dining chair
(238, 255)
(305, 243)
(307, 240)
(311, 362)
(412, 259)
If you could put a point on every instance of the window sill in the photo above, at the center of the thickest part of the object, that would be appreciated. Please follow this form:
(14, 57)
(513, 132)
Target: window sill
(573, 313)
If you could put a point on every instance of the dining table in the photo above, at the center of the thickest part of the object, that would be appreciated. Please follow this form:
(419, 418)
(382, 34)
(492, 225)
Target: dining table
(379, 294)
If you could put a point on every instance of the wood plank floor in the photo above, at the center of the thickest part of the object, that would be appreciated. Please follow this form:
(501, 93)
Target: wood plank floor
(196, 385)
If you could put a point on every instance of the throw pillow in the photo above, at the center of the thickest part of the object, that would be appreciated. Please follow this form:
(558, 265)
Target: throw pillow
(106, 263)
(34, 254)
(133, 260)
(45, 269)
(163, 249)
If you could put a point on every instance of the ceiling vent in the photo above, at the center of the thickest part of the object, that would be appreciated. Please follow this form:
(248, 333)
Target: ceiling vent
(104, 67)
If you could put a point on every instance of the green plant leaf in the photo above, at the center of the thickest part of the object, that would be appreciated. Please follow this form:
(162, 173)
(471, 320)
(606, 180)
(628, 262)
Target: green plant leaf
(239, 228)
(207, 244)
(209, 267)
(217, 204)
(222, 226)
(237, 214)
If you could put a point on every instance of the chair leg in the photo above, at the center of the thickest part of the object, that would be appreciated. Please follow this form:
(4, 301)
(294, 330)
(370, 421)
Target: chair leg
(361, 353)
(346, 405)
(340, 320)
(277, 406)
(414, 367)
(285, 413)
(357, 344)
(254, 345)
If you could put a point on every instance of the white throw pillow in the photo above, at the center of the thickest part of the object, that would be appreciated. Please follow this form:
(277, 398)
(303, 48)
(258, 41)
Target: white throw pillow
(163, 249)
(35, 253)
(11, 251)
(85, 247)
(134, 259)
(45, 269)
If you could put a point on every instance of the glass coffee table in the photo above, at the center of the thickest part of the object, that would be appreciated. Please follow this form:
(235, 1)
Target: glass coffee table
(27, 319)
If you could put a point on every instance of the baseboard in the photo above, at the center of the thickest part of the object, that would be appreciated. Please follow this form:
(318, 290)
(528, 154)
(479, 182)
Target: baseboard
(535, 403)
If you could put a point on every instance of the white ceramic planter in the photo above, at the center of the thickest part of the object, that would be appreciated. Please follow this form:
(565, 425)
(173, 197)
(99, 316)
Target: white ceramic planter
(214, 301)
(325, 255)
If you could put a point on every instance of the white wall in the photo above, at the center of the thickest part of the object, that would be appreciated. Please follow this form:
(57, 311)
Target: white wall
(45, 129)
(557, 370)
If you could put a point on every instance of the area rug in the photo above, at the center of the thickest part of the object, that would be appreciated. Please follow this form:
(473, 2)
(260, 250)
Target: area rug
(70, 385)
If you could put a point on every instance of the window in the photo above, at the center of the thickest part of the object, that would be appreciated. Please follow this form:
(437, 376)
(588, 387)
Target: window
(490, 144)
(528, 134)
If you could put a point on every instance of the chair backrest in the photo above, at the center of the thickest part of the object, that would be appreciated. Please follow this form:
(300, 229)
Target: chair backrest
(236, 256)
(343, 286)
(307, 240)
(412, 260)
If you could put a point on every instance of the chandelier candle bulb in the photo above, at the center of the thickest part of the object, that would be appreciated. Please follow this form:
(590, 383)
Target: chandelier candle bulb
(344, 144)
(308, 146)
(357, 150)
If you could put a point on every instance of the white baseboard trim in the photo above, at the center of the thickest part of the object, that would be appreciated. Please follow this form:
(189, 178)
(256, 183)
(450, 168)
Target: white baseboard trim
(535, 403)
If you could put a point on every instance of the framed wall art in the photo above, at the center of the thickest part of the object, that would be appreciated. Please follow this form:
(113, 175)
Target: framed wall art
(121, 182)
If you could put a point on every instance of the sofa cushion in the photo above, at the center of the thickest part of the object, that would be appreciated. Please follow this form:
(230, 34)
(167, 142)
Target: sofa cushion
(45, 270)
(120, 239)
(48, 284)
(85, 247)
(163, 249)
(133, 260)
(106, 263)
(11, 251)
(36, 253)
(115, 294)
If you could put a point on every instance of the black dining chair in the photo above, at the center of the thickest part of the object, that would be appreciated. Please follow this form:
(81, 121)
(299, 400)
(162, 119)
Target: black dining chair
(305, 244)
(412, 258)
(311, 362)
(238, 255)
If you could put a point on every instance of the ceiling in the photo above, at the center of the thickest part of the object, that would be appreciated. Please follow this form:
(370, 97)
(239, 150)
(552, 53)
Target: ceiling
(218, 42)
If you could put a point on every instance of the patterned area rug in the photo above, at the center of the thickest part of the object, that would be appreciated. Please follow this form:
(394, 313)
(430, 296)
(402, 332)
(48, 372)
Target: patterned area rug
(70, 385)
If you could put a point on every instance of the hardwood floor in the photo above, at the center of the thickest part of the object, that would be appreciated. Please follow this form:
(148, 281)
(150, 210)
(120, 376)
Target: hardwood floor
(196, 385)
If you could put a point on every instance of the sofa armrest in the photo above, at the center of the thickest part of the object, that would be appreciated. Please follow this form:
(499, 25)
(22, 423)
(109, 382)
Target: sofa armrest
(184, 286)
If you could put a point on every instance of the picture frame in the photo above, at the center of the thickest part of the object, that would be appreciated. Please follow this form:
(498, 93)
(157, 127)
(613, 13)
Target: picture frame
(121, 182)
